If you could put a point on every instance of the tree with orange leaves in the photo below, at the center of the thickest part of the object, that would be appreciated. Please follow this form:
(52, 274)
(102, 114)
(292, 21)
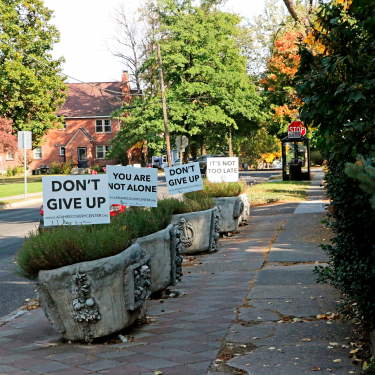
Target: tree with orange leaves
(278, 81)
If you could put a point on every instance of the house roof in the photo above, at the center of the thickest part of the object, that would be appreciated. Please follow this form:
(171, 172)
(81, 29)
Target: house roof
(84, 100)
(85, 132)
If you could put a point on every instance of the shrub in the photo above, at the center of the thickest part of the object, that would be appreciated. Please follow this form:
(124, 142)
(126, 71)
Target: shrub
(316, 157)
(9, 171)
(55, 168)
(218, 189)
(65, 245)
(199, 203)
(97, 168)
(17, 170)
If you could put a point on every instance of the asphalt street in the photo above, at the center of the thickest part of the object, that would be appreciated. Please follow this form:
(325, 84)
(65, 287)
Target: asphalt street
(15, 224)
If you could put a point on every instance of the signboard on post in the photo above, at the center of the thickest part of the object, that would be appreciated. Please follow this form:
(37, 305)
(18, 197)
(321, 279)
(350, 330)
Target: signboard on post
(183, 178)
(222, 169)
(25, 143)
(24, 138)
(296, 129)
(133, 186)
(75, 200)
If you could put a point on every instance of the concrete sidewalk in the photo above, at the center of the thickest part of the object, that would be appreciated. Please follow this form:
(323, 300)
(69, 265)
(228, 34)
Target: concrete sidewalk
(250, 308)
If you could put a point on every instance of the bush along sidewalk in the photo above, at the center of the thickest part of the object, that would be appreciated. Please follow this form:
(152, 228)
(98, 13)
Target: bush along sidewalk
(341, 108)
(93, 280)
(231, 200)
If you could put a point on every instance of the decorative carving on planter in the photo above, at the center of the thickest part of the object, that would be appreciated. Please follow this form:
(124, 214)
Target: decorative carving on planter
(84, 305)
(187, 232)
(215, 227)
(238, 209)
(142, 283)
(179, 256)
(246, 210)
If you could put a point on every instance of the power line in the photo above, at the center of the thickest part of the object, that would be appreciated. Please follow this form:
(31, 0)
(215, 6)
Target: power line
(76, 79)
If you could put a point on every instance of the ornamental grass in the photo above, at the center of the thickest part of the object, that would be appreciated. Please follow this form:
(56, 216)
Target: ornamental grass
(65, 245)
(218, 190)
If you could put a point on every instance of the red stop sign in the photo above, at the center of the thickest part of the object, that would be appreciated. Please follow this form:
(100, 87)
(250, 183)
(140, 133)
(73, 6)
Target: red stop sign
(297, 126)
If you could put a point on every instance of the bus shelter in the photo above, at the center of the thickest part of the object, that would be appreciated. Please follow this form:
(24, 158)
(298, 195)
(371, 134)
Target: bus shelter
(296, 158)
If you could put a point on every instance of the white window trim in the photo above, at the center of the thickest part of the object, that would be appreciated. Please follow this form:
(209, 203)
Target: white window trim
(61, 150)
(35, 157)
(104, 151)
(103, 120)
(64, 128)
(9, 156)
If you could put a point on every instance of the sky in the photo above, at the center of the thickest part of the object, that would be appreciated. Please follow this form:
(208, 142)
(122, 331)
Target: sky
(86, 28)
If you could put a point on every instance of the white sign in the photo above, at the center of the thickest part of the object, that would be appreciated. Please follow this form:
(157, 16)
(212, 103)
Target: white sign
(24, 136)
(133, 186)
(222, 169)
(185, 142)
(183, 178)
(75, 200)
(1, 158)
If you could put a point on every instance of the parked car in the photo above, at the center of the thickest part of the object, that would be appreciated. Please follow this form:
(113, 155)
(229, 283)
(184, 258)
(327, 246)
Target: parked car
(277, 164)
(177, 161)
(296, 161)
(114, 210)
(202, 160)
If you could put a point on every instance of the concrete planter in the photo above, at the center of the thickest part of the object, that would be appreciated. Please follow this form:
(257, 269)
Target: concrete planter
(198, 230)
(164, 250)
(246, 210)
(232, 212)
(96, 298)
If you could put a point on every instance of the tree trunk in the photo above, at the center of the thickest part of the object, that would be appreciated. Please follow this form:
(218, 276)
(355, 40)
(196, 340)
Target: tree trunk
(293, 12)
(203, 145)
(187, 150)
(194, 150)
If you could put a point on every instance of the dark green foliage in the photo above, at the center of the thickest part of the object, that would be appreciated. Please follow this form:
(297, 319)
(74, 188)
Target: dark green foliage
(218, 190)
(65, 245)
(337, 86)
(30, 91)
(363, 171)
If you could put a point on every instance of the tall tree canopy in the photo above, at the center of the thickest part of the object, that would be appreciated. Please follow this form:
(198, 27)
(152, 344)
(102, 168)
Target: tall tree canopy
(207, 87)
(30, 91)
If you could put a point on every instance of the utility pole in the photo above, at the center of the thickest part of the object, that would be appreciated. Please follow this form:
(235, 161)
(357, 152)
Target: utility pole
(166, 130)
(230, 143)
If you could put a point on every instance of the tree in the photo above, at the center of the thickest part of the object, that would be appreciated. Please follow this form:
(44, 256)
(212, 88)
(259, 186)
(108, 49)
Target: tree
(8, 141)
(30, 91)
(208, 90)
(279, 82)
(337, 86)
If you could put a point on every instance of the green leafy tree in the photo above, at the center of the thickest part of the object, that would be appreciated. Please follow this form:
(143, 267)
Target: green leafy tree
(30, 91)
(208, 90)
(337, 86)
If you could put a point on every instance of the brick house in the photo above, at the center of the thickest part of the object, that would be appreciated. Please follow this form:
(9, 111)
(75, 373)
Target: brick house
(87, 126)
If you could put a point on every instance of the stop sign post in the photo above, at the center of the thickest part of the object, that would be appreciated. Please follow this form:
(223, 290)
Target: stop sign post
(296, 129)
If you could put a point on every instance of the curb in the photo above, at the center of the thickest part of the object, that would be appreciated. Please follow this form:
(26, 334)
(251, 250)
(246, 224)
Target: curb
(21, 204)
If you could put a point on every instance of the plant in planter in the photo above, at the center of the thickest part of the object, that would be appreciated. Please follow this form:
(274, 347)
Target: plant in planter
(230, 198)
(92, 280)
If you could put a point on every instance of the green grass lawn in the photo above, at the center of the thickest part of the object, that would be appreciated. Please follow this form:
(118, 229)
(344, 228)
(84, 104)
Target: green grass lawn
(283, 192)
(15, 185)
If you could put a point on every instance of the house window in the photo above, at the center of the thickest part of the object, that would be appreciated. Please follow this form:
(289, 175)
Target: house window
(62, 151)
(38, 153)
(9, 155)
(102, 151)
(103, 126)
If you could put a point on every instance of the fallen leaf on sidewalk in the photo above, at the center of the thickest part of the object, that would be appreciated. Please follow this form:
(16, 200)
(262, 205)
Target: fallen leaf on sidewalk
(337, 360)
(354, 351)
(271, 348)
(306, 340)
(158, 373)
(316, 368)
(333, 343)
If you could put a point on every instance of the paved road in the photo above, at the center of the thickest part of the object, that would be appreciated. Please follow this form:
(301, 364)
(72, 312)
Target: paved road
(15, 224)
